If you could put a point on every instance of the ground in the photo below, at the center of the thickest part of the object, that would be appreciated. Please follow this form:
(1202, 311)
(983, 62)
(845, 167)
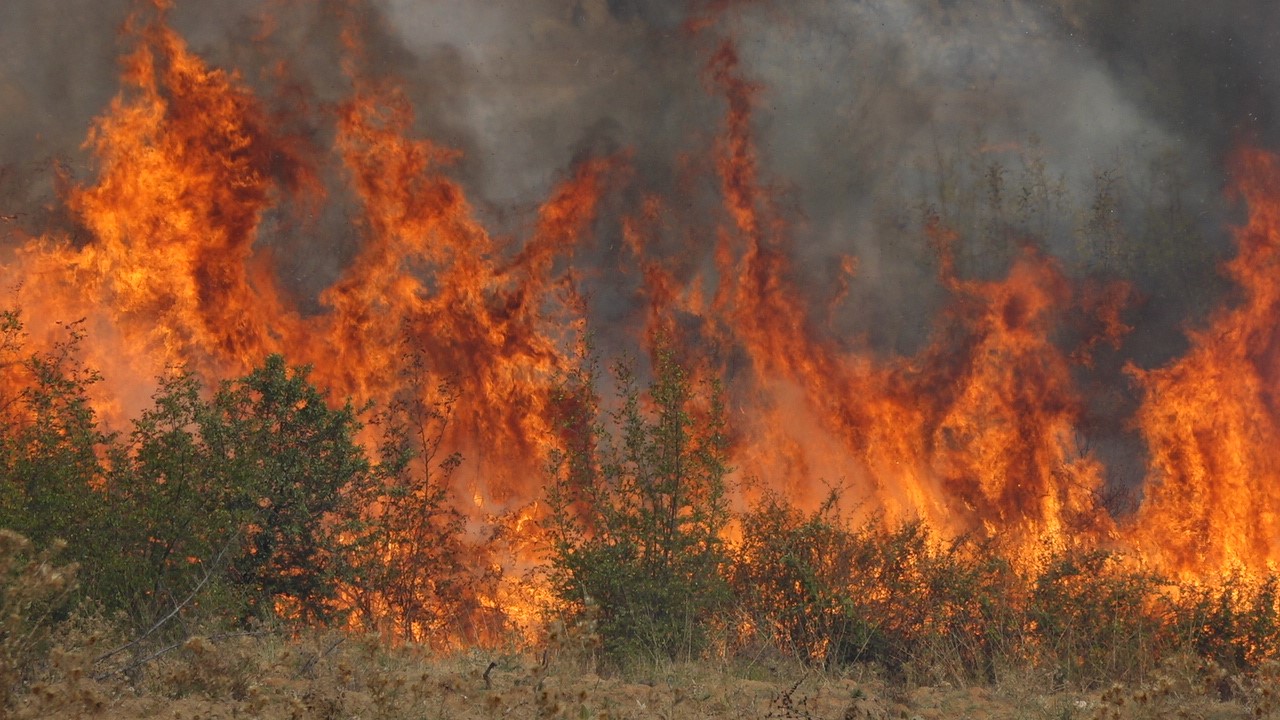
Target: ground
(332, 677)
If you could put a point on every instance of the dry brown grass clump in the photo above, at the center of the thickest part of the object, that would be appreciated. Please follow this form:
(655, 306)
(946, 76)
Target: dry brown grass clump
(329, 676)
(32, 589)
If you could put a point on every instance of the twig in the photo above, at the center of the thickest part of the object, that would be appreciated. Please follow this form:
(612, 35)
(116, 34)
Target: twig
(173, 646)
(159, 623)
(311, 662)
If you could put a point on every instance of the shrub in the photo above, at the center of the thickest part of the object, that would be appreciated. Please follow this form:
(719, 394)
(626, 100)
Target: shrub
(793, 575)
(51, 445)
(418, 581)
(835, 594)
(1235, 623)
(175, 519)
(1097, 619)
(638, 506)
(236, 506)
(288, 460)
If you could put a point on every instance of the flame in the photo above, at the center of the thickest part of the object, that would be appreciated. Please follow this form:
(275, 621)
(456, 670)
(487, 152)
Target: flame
(429, 273)
(174, 273)
(1211, 418)
(187, 166)
(979, 432)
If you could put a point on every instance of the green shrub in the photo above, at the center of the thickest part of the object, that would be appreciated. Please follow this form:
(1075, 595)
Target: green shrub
(638, 507)
(835, 594)
(227, 506)
(175, 522)
(51, 444)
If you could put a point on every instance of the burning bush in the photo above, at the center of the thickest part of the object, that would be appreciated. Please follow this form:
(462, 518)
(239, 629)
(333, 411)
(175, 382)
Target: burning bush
(836, 594)
(243, 503)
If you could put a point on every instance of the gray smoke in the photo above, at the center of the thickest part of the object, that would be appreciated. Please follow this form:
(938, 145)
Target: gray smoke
(57, 71)
(1207, 71)
(869, 114)
(1094, 128)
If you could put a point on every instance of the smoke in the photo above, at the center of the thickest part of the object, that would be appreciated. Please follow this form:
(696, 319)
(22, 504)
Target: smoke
(1094, 128)
(862, 101)
(1207, 71)
(57, 71)
(869, 114)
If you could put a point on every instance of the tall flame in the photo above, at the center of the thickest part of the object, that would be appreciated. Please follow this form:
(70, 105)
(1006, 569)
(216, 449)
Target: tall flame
(1211, 418)
(978, 432)
(430, 274)
(188, 166)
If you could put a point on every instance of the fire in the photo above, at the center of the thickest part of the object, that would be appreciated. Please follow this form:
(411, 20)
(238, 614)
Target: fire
(980, 432)
(428, 273)
(175, 274)
(1211, 418)
(188, 166)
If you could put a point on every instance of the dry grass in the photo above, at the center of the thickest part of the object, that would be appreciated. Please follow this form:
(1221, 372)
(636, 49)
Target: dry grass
(61, 663)
(32, 589)
(327, 676)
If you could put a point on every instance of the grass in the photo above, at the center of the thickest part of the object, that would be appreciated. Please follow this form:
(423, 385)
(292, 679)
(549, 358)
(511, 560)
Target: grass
(826, 619)
(324, 676)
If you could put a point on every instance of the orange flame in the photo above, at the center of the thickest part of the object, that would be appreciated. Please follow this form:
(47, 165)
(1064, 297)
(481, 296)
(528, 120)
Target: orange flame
(978, 432)
(1211, 418)
(173, 275)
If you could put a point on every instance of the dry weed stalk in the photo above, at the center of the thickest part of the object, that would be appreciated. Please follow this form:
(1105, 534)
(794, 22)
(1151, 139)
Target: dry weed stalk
(32, 589)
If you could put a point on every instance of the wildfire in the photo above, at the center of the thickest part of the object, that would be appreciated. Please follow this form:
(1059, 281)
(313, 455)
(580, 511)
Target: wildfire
(979, 432)
(187, 166)
(1210, 419)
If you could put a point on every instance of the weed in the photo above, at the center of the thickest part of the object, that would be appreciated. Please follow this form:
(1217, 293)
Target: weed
(33, 591)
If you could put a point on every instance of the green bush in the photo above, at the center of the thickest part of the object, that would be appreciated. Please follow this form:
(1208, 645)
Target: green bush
(638, 509)
(51, 446)
(288, 460)
(236, 503)
(227, 506)
(175, 521)
(835, 594)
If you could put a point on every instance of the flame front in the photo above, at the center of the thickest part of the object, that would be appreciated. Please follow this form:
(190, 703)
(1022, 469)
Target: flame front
(1210, 419)
(188, 166)
(978, 432)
